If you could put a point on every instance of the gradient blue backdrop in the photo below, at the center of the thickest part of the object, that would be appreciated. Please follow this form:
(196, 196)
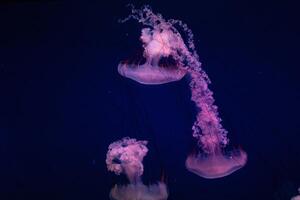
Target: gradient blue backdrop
(62, 101)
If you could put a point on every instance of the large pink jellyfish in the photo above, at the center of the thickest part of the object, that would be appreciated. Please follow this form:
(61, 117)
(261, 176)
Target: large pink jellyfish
(126, 156)
(162, 39)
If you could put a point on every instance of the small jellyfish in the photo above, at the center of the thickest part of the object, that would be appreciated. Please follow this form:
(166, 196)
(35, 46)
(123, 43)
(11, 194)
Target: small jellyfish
(126, 156)
(161, 39)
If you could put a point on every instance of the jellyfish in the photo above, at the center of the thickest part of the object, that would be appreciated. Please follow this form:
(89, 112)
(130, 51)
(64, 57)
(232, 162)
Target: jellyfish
(161, 38)
(161, 43)
(213, 161)
(125, 157)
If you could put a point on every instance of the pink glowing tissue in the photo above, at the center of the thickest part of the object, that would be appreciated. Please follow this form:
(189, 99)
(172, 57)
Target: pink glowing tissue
(126, 157)
(169, 58)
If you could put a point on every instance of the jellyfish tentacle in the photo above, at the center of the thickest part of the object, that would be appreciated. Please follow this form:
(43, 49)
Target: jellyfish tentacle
(212, 137)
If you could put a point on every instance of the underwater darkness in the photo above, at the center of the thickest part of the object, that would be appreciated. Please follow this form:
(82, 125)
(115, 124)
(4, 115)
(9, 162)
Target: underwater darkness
(63, 102)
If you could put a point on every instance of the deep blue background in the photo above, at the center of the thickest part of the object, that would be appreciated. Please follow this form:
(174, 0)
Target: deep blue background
(62, 101)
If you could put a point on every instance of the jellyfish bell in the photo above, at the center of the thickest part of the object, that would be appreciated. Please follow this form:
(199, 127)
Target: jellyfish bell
(150, 73)
(139, 191)
(216, 164)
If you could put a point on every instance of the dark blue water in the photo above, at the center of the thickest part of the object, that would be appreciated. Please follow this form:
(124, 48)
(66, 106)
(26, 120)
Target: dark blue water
(62, 101)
